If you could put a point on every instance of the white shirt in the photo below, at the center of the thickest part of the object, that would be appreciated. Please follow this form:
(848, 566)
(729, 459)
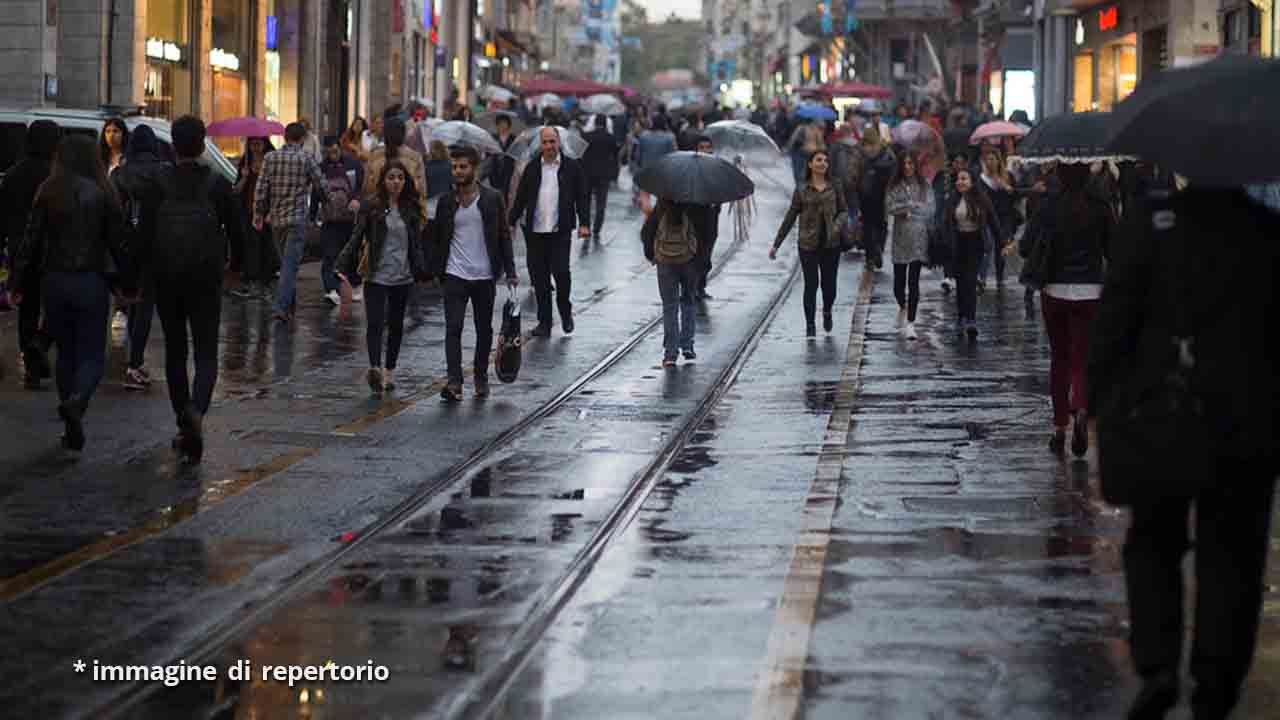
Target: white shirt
(547, 214)
(468, 253)
(1074, 291)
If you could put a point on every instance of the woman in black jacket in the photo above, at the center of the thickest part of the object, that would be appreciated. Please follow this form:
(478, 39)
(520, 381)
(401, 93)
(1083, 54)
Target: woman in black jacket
(998, 184)
(968, 213)
(73, 235)
(386, 248)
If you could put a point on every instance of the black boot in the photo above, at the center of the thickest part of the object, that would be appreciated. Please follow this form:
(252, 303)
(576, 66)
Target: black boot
(190, 439)
(72, 414)
(1158, 696)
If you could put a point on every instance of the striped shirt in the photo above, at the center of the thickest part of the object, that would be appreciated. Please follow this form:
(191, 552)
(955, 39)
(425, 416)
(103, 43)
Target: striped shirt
(288, 178)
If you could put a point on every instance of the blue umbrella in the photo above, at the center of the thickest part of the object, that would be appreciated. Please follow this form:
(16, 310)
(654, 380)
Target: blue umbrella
(812, 111)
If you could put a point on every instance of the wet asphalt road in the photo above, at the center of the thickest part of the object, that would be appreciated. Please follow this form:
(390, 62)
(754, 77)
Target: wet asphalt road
(850, 526)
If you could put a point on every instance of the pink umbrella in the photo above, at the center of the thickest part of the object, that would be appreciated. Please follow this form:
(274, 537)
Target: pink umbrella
(996, 131)
(244, 127)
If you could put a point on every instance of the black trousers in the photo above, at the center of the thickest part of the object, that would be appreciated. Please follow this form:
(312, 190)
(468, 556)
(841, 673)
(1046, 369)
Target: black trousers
(29, 315)
(260, 259)
(548, 257)
(819, 268)
(1233, 523)
(599, 199)
(457, 293)
(384, 307)
(190, 307)
(968, 257)
(702, 265)
(906, 286)
(875, 231)
(140, 315)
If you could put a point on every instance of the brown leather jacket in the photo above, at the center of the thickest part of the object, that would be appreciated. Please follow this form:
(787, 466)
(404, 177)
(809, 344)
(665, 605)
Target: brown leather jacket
(814, 207)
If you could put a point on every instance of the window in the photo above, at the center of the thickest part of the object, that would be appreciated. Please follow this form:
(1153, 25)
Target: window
(1082, 93)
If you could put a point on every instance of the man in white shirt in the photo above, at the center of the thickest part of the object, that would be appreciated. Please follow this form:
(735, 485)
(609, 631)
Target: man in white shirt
(551, 196)
(472, 246)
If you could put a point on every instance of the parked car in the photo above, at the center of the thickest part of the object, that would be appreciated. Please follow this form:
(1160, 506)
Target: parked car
(13, 131)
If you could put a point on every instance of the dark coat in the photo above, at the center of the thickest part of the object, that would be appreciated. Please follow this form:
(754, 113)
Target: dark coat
(573, 196)
(137, 182)
(988, 220)
(153, 181)
(497, 232)
(1217, 276)
(18, 189)
(600, 161)
(501, 168)
(83, 236)
(439, 178)
(876, 174)
(371, 226)
(1079, 242)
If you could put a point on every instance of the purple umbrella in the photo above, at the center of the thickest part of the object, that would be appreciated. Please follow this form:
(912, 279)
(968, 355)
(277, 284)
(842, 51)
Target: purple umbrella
(244, 127)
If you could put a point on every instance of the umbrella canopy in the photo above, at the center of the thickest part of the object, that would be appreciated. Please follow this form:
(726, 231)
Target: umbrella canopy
(496, 92)
(855, 89)
(688, 177)
(529, 143)
(489, 121)
(739, 136)
(813, 111)
(244, 127)
(996, 131)
(1214, 123)
(546, 100)
(920, 138)
(568, 88)
(1069, 138)
(603, 105)
(458, 132)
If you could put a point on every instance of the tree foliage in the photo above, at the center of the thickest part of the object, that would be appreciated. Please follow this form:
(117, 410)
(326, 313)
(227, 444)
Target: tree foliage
(674, 43)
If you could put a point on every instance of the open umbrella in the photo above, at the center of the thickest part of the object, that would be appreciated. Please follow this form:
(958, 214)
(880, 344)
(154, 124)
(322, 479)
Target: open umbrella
(528, 144)
(603, 105)
(997, 130)
(244, 127)
(920, 138)
(1069, 138)
(1215, 123)
(458, 132)
(546, 100)
(688, 177)
(813, 111)
(739, 136)
(496, 92)
(489, 121)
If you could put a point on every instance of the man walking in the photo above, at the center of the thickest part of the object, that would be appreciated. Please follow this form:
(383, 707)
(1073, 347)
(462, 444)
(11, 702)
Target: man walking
(552, 194)
(600, 165)
(343, 176)
(193, 221)
(502, 167)
(472, 245)
(289, 176)
(706, 224)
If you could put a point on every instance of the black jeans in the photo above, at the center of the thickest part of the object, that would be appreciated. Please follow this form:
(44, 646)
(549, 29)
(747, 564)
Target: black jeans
(599, 199)
(457, 293)
(906, 286)
(77, 308)
(384, 307)
(1232, 534)
(874, 233)
(190, 305)
(260, 261)
(968, 256)
(140, 315)
(820, 268)
(702, 265)
(547, 256)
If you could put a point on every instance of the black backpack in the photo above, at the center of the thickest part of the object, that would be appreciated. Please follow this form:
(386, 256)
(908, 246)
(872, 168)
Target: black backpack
(189, 237)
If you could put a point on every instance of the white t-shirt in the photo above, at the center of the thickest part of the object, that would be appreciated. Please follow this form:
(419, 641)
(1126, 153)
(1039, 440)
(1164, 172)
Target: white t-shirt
(547, 215)
(468, 253)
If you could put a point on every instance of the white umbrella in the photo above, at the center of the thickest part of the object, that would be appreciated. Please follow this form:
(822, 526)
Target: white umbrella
(529, 143)
(603, 105)
(458, 132)
(548, 100)
(489, 120)
(739, 136)
(496, 92)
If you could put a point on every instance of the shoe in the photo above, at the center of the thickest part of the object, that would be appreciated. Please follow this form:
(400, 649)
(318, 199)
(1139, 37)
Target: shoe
(902, 318)
(982, 286)
(971, 330)
(811, 330)
(910, 332)
(192, 444)
(689, 354)
(1159, 695)
(134, 379)
(668, 363)
(357, 293)
(452, 392)
(374, 378)
(566, 323)
(388, 379)
(1058, 442)
(946, 287)
(827, 321)
(333, 297)
(542, 330)
(1080, 434)
(248, 291)
(72, 414)
(482, 386)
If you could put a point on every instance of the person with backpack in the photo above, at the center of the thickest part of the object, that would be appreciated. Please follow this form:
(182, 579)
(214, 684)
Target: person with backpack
(343, 176)
(74, 234)
(289, 178)
(819, 206)
(671, 242)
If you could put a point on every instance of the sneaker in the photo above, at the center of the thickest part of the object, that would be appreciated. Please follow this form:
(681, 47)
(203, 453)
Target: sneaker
(333, 297)
(452, 392)
(668, 363)
(482, 386)
(374, 377)
(902, 318)
(946, 287)
(134, 379)
(911, 331)
(689, 354)
(357, 293)
(388, 379)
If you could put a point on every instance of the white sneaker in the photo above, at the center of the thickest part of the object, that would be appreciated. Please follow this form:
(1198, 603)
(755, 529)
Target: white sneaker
(333, 297)
(902, 318)
(357, 294)
(911, 331)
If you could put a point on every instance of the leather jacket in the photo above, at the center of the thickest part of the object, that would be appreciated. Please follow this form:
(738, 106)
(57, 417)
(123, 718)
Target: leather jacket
(86, 237)
(371, 226)
(497, 233)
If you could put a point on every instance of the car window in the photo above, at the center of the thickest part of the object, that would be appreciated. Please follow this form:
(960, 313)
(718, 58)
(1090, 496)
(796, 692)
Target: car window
(12, 136)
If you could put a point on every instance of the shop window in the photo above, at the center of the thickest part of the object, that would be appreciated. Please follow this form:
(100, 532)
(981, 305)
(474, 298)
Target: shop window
(1117, 72)
(281, 77)
(1082, 92)
(167, 81)
(229, 63)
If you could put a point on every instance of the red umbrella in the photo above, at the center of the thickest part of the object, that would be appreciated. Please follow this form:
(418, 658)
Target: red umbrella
(855, 89)
(244, 127)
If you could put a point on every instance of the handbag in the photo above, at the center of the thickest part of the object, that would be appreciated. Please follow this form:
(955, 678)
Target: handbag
(507, 363)
(1153, 437)
(844, 237)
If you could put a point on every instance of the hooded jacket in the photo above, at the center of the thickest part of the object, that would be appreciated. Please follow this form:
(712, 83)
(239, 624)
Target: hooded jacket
(18, 189)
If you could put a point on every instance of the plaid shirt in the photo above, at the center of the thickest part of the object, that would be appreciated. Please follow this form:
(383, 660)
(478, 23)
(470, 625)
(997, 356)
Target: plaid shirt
(289, 176)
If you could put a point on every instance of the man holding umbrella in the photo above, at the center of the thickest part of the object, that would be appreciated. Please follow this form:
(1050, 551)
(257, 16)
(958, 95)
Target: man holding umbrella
(551, 195)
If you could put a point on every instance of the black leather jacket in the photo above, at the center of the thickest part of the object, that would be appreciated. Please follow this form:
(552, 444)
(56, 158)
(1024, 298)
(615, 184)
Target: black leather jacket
(371, 225)
(497, 233)
(84, 237)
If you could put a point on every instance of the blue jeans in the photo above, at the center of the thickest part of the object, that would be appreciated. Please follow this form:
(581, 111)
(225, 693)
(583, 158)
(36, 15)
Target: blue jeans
(77, 309)
(676, 286)
(291, 242)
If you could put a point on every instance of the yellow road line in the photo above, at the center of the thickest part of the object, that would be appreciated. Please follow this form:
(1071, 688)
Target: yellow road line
(780, 685)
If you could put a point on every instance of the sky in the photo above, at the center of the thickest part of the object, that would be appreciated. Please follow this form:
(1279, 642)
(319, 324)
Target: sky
(660, 9)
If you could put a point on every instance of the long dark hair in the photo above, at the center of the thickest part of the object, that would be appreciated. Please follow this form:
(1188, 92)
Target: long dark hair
(104, 150)
(1075, 188)
(808, 171)
(974, 198)
(246, 160)
(393, 134)
(76, 158)
(408, 200)
(900, 173)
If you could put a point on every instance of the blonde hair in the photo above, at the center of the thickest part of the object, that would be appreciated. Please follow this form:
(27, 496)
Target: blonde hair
(871, 137)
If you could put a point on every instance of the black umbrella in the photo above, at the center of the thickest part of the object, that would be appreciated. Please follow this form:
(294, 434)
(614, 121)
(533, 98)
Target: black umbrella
(1217, 123)
(1069, 138)
(694, 178)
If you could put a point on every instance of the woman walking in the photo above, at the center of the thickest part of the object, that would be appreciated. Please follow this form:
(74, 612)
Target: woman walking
(259, 251)
(74, 232)
(820, 206)
(394, 133)
(112, 144)
(1078, 227)
(998, 184)
(352, 141)
(968, 212)
(386, 249)
(909, 201)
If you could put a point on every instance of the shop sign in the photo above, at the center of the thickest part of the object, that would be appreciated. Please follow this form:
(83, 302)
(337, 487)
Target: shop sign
(223, 60)
(490, 50)
(1108, 18)
(163, 50)
(273, 32)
